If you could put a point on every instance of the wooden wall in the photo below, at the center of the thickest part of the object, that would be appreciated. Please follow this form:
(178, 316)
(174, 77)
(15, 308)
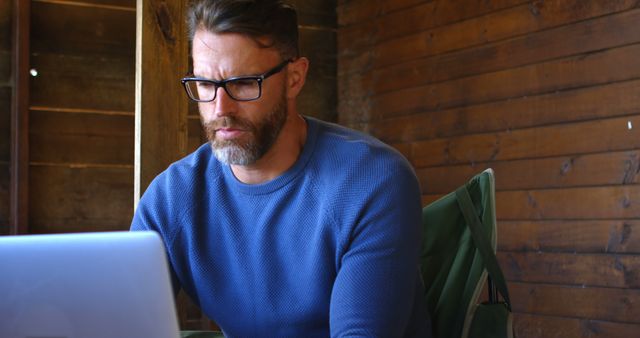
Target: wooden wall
(5, 111)
(545, 92)
(317, 23)
(81, 115)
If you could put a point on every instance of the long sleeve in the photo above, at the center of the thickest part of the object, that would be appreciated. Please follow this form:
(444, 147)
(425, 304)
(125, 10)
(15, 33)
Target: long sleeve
(376, 285)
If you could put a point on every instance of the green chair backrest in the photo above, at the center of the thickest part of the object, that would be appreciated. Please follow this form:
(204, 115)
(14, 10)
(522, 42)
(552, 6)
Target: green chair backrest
(452, 266)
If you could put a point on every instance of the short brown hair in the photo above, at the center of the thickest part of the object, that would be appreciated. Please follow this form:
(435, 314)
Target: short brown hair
(273, 19)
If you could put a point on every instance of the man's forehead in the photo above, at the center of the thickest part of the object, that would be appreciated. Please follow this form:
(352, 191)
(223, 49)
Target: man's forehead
(223, 55)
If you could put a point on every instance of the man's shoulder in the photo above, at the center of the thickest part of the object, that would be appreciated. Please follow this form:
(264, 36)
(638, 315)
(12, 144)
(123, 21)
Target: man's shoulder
(347, 159)
(345, 144)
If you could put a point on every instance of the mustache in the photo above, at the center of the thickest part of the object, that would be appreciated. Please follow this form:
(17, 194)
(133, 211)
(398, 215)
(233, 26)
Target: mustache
(227, 122)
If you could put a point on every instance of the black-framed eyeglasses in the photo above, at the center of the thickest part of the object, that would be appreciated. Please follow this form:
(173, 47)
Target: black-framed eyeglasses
(240, 88)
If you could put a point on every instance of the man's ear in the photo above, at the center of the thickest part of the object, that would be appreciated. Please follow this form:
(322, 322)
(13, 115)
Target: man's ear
(296, 76)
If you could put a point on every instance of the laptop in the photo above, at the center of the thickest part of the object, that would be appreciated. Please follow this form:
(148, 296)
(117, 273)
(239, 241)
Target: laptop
(90, 285)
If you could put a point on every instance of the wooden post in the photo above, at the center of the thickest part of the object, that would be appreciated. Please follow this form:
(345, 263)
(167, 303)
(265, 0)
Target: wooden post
(161, 104)
(19, 186)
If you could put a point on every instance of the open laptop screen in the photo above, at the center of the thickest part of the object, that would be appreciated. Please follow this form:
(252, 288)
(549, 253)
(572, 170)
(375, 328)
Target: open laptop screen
(86, 285)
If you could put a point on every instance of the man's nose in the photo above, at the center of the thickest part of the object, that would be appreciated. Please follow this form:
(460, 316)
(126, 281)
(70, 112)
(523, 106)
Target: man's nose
(222, 106)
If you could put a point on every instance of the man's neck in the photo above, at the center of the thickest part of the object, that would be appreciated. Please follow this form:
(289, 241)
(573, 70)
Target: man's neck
(282, 155)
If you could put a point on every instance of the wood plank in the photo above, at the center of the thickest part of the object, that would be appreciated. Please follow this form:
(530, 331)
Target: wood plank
(58, 137)
(196, 135)
(82, 30)
(606, 304)
(592, 203)
(354, 12)
(84, 82)
(497, 26)
(161, 132)
(359, 37)
(609, 100)
(19, 165)
(586, 270)
(583, 236)
(5, 69)
(535, 326)
(131, 4)
(6, 23)
(5, 124)
(316, 13)
(612, 65)
(4, 198)
(610, 168)
(78, 199)
(588, 36)
(583, 37)
(556, 140)
(319, 96)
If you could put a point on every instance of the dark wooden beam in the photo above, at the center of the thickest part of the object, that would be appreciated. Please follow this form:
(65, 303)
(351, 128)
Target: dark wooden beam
(161, 104)
(19, 186)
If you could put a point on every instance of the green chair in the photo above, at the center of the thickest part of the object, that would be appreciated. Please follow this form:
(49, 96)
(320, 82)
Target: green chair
(459, 230)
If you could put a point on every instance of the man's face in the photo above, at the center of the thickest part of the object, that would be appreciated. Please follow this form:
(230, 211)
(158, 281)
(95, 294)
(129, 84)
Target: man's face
(240, 132)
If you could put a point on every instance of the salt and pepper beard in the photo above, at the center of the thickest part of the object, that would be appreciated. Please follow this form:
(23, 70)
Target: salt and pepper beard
(262, 135)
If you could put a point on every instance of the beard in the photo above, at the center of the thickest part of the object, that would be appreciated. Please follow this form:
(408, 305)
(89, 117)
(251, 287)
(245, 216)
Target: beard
(261, 136)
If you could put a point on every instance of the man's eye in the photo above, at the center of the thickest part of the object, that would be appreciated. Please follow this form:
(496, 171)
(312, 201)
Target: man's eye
(244, 83)
(202, 84)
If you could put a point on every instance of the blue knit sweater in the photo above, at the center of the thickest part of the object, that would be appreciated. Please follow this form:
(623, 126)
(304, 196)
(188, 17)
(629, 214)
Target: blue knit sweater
(329, 248)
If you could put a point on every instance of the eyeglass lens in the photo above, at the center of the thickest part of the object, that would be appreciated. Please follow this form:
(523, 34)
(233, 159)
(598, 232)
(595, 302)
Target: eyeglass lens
(239, 89)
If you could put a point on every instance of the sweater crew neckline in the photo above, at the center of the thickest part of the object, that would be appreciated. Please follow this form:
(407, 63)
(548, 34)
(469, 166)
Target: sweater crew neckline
(286, 177)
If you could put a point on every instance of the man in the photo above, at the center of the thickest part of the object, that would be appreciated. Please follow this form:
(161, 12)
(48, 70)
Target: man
(283, 225)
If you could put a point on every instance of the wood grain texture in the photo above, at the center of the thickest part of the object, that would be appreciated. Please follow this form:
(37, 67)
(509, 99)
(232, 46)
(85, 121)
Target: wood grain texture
(316, 13)
(319, 96)
(5, 25)
(500, 25)
(82, 30)
(19, 164)
(358, 11)
(570, 236)
(414, 77)
(590, 203)
(528, 325)
(130, 4)
(612, 65)
(564, 106)
(607, 168)
(586, 270)
(161, 58)
(66, 199)
(5, 69)
(81, 138)
(412, 21)
(196, 135)
(4, 198)
(581, 37)
(83, 81)
(605, 304)
(555, 140)
(5, 123)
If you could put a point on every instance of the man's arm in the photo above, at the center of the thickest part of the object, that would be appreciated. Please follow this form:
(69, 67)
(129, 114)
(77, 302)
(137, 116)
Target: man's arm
(375, 289)
(147, 218)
